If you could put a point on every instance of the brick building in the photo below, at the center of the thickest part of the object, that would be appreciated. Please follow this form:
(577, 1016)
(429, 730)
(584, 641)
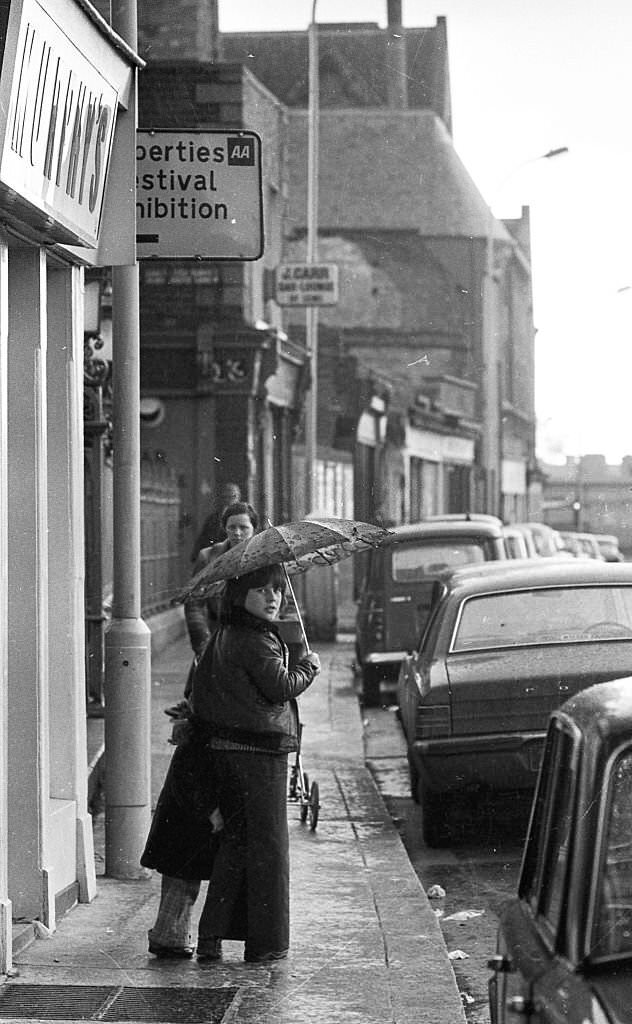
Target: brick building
(403, 220)
(415, 414)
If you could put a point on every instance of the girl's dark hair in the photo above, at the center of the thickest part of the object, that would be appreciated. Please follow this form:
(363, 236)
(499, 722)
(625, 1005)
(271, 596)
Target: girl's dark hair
(240, 508)
(237, 588)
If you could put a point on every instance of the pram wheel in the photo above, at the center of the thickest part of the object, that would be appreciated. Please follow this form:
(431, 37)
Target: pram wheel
(314, 806)
(305, 797)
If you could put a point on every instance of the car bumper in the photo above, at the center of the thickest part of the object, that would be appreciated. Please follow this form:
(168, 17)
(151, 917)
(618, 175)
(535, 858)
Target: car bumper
(499, 762)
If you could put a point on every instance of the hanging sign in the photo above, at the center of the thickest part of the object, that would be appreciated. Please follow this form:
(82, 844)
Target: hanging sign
(199, 195)
(56, 139)
(307, 284)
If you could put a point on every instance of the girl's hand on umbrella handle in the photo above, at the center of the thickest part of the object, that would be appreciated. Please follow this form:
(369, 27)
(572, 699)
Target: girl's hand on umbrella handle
(314, 660)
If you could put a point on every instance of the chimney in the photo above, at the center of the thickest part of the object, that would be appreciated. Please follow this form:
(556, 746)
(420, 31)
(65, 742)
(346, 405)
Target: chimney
(397, 82)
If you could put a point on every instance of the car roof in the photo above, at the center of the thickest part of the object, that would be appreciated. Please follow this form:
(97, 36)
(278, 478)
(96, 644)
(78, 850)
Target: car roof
(444, 528)
(542, 527)
(518, 573)
(603, 710)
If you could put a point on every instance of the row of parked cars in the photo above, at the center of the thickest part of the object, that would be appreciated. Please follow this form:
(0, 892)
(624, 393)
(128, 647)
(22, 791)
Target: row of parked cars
(397, 585)
(516, 674)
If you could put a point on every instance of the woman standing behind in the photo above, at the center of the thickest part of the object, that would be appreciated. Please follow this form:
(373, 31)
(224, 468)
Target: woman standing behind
(240, 522)
(245, 693)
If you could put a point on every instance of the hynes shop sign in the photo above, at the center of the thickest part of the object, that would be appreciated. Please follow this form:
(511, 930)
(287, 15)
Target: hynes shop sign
(59, 129)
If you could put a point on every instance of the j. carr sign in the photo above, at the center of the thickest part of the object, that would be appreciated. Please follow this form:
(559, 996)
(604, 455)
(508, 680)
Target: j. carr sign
(307, 284)
(61, 112)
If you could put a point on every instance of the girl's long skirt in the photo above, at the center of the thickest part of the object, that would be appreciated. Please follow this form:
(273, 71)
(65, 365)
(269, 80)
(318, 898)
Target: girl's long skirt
(249, 890)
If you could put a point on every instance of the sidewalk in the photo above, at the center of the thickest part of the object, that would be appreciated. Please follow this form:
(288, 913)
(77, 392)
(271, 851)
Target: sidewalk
(366, 946)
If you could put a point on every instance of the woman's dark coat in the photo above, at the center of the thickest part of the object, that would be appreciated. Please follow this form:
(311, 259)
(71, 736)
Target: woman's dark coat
(181, 842)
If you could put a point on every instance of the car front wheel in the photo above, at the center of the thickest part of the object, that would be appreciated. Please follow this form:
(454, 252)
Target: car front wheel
(435, 809)
(370, 686)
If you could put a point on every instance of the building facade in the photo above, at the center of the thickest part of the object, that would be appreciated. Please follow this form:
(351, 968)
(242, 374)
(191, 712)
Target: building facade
(412, 237)
(61, 209)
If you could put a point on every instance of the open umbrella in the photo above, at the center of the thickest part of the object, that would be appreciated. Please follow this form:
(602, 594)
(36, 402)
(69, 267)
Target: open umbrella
(299, 546)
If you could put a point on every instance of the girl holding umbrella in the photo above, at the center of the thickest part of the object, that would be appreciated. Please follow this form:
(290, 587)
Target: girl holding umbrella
(244, 692)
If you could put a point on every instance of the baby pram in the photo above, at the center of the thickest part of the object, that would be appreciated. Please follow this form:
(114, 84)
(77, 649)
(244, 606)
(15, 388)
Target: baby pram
(300, 790)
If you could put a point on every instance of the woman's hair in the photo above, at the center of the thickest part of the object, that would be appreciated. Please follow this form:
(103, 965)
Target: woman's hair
(240, 508)
(237, 588)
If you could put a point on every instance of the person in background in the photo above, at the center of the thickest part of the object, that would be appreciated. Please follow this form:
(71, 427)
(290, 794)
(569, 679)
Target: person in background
(212, 529)
(239, 522)
(244, 694)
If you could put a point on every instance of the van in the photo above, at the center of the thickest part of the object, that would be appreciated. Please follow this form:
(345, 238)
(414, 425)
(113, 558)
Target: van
(396, 593)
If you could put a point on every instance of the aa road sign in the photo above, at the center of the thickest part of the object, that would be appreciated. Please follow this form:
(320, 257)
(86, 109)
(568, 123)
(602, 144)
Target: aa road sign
(307, 284)
(198, 194)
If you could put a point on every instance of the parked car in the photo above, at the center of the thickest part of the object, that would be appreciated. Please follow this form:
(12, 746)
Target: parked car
(564, 950)
(584, 545)
(504, 645)
(547, 541)
(397, 585)
(609, 547)
(517, 544)
(527, 539)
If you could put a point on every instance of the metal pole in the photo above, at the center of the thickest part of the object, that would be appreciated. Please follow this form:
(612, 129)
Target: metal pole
(490, 453)
(128, 641)
(311, 312)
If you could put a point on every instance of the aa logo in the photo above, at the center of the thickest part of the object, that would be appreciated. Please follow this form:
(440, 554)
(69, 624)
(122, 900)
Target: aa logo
(241, 152)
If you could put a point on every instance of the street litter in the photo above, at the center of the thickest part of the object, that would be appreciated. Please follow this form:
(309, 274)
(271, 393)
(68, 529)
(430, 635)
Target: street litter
(464, 915)
(435, 892)
(458, 954)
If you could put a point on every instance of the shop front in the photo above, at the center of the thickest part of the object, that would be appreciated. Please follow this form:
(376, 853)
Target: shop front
(439, 472)
(67, 95)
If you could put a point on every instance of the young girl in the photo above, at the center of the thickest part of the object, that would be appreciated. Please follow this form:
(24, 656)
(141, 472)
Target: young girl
(244, 691)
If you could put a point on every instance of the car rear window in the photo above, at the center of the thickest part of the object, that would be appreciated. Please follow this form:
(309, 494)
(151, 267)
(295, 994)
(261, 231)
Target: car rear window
(544, 615)
(411, 563)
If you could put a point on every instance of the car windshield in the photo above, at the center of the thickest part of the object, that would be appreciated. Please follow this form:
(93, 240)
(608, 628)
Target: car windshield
(613, 912)
(544, 615)
(411, 563)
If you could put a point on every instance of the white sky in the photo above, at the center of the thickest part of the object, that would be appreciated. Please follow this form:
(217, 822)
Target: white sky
(528, 76)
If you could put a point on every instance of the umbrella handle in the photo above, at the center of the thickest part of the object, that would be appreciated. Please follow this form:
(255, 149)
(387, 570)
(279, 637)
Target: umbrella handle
(291, 589)
(298, 610)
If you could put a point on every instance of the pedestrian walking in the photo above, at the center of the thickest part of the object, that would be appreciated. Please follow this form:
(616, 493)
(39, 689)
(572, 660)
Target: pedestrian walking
(245, 694)
(212, 530)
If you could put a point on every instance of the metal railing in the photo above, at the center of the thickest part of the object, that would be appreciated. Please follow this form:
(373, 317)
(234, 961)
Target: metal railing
(161, 554)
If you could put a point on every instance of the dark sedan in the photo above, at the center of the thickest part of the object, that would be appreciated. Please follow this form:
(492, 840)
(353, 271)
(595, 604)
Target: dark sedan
(565, 941)
(505, 645)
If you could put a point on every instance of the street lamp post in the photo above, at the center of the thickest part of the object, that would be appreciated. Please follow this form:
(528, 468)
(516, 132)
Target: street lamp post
(311, 312)
(491, 435)
(128, 640)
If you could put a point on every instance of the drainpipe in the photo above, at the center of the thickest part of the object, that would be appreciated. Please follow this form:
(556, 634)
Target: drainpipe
(128, 640)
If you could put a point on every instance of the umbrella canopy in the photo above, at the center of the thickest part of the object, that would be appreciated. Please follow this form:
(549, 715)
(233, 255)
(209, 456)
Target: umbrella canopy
(299, 546)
